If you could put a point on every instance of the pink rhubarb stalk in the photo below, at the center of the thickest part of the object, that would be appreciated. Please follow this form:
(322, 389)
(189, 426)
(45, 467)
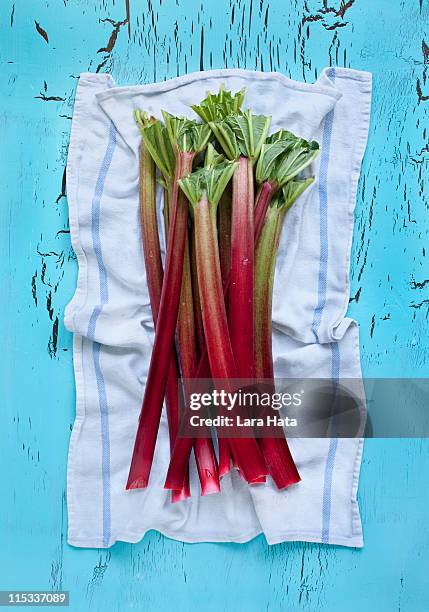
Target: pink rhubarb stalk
(204, 190)
(219, 349)
(154, 274)
(203, 447)
(264, 196)
(196, 295)
(156, 383)
(224, 231)
(207, 465)
(275, 450)
(240, 302)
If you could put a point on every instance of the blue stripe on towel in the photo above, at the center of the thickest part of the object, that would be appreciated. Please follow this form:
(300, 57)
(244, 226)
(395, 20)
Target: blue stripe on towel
(330, 459)
(323, 231)
(96, 347)
(321, 303)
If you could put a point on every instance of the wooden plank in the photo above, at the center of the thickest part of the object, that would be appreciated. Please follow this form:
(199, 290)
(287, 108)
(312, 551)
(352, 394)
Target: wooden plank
(147, 40)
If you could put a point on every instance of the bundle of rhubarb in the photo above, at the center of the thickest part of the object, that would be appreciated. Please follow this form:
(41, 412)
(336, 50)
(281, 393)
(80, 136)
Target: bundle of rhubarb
(227, 186)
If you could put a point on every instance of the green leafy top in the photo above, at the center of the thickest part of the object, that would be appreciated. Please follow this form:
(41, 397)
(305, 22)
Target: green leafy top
(281, 136)
(186, 134)
(210, 180)
(241, 134)
(284, 156)
(301, 154)
(269, 159)
(215, 107)
(212, 157)
(288, 195)
(156, 140)
(143, 119)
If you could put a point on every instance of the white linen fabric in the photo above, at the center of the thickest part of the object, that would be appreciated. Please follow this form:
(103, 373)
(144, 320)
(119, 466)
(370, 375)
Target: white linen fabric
(111, 319)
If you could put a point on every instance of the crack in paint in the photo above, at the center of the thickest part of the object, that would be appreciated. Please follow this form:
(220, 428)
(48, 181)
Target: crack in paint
(34, 287)
(53, 340)
(117, 25)
(127, 13)
(416, 285)
(49, 98)
(425, 52)
(325, 11)
(49, 306)
(63, 193)
(356, 298)
(41, 31)
(418, 305)
(371, 332)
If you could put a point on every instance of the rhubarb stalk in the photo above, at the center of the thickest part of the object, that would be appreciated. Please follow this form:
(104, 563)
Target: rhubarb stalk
(281, 158)
(203, 446)
(265, 257)
(189, 138)
(156, 141)
(275, 450)
(196, 295)
(182, 449)
(154, 274)
(203, 189)
(187, 342)
(241, 136)
(224, 231)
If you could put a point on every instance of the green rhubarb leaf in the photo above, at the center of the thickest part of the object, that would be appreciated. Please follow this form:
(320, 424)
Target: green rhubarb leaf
(215, 107)
(217, 178)
(295, 160)
(290, 192)
(210, 180)
(191, 186)
(241, 134)
(225, 136)
(282, 136)
(157, 142)
(201, 136)
(186, 134)
(283, 157)
(270, 153)
(251, 132)
(212, 157)
(143, 119)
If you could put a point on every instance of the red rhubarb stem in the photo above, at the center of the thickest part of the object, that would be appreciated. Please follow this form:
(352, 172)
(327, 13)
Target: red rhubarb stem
(261, 206)
(178, 471)
(224, 231)
(224, 234)
(196, 295)
(205, 456)
(183, 492)
(264, 196)
(240, 301)
(219, 349)
(275, 450)
(154, 275)
(156, 383)
(263, 200)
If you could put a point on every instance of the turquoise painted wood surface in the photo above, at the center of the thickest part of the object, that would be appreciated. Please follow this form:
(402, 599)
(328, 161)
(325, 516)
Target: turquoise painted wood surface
(44, 45)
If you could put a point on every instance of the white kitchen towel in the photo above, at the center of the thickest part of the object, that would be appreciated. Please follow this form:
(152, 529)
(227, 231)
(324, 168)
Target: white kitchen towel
(112, 323)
